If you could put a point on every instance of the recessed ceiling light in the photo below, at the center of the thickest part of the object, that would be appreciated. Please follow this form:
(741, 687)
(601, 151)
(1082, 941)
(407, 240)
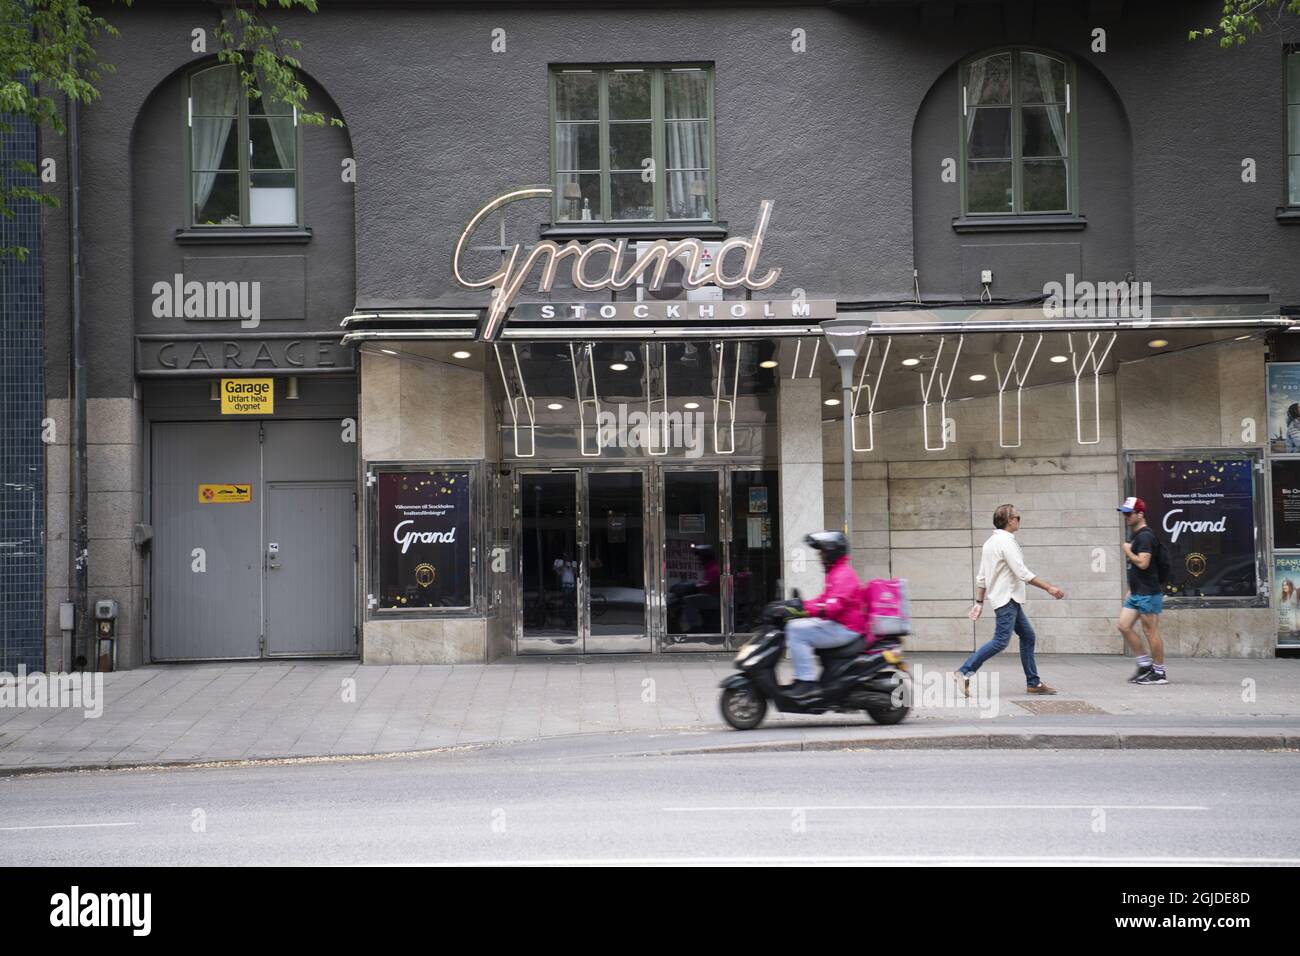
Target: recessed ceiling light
(1158, 343)
(831, 401)
(619, 367)
(911, 361)
(691, 405)
(977, 377)
(460, 355)
(769, 363)
(555, 406)
(388, 351)
(1060, 358)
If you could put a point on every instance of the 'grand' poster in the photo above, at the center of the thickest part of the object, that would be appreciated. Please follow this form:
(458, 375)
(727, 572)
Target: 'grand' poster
(1203, 511)
(424, 539)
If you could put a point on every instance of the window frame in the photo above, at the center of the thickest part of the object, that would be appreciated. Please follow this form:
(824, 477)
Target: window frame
(1288, 50)
(243, 131)
(658, 141)
(1017, 159)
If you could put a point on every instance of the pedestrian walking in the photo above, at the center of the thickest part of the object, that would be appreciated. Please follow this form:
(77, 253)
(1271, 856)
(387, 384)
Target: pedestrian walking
(1001, 582)
(1146, 595)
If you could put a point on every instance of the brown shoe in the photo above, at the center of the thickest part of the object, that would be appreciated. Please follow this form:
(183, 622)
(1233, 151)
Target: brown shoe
(963, 681)
(1040, 689)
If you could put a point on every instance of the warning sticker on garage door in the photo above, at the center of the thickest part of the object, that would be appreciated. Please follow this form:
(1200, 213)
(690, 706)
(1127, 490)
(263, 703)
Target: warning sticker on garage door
(224, 494)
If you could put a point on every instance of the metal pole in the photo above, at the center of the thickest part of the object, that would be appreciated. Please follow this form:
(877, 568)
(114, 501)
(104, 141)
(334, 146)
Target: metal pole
(846, 384)
(82, 651)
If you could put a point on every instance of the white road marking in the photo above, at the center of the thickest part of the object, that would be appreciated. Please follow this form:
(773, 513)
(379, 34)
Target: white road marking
(922, 806)
(894, 860)
(69, 826)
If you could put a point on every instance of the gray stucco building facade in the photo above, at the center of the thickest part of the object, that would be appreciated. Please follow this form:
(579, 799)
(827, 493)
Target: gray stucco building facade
(1069, 228)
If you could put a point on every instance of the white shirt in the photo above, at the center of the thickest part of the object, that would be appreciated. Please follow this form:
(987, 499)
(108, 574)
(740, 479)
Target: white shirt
(1002, 570)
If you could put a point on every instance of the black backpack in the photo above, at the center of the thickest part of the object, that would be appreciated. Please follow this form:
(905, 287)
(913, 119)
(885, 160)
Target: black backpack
(1161, 558)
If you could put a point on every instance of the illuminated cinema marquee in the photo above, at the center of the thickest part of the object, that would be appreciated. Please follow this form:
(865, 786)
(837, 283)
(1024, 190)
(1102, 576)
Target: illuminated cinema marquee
(650, 264)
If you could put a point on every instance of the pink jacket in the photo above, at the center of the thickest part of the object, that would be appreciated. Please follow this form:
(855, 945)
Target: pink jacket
(842, 599)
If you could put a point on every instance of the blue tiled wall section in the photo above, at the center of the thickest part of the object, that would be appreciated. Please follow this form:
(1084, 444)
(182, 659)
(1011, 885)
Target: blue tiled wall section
(22, 404)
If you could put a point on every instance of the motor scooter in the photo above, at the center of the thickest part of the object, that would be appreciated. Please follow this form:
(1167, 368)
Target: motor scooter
(854, 676)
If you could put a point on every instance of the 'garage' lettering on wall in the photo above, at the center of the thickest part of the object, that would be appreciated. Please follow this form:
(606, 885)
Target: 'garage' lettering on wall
(172, 355)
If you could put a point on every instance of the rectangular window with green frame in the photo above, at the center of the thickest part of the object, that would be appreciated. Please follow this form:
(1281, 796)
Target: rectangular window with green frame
(632, 143)
(243, 154)
(1018, 134)
(1293, 126)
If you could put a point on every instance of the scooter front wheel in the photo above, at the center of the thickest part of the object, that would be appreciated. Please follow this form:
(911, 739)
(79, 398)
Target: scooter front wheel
(743, 707)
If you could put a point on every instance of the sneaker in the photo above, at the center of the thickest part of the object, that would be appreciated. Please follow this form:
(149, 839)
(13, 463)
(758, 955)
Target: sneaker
(963, 681)
(1152, 676)
(1040, 689)
(1140, 673)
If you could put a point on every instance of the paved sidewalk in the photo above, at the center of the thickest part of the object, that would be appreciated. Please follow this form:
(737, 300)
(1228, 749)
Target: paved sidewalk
(218, 712)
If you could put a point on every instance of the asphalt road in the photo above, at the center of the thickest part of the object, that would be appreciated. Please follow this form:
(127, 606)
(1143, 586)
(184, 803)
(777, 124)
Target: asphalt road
(568, 804)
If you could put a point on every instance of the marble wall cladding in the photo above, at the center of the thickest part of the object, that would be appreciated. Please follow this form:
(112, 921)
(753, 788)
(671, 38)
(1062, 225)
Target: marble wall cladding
(1214, 632)
(937, 509)
(1153, 419)
(114, 506)
(1243, 413)
(447, 641)
(804, 495)
(413, 408)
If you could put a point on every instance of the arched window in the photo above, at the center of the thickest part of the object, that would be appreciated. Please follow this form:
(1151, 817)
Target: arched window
(243, 154)
(1018, 139)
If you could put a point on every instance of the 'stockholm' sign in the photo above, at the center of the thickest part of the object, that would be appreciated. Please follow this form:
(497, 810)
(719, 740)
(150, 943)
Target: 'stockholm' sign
(602, 263)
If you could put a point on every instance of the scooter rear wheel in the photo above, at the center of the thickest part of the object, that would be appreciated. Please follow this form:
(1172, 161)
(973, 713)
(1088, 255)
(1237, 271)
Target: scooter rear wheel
(889, 715)
(743, 707)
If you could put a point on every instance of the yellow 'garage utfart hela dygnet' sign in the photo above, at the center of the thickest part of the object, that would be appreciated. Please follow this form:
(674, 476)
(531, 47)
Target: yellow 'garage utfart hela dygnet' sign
(247, 396)
(225, 494)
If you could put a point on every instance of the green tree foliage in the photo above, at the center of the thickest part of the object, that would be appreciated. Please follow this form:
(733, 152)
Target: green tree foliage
(47, 53)
(1245, 18)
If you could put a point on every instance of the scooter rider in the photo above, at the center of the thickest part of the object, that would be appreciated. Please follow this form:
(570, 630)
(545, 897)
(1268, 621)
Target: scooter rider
(836, 616)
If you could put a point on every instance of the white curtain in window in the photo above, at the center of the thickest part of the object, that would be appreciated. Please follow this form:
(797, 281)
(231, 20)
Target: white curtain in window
(282, 136)
(974, 90)
(1055, 114)
(216, 95)
(688, 149)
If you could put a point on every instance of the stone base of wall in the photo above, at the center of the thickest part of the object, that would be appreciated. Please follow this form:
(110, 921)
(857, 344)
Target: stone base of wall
(453, 641)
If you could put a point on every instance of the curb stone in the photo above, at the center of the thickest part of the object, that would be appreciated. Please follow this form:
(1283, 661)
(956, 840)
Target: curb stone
(1007, 741)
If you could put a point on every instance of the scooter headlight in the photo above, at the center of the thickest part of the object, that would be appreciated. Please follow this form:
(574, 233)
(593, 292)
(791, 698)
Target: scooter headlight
(745, 651)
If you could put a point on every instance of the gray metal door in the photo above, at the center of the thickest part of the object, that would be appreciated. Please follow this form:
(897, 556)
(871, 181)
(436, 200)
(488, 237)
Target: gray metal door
(310, 568)
(310, 515)
(216, 591)
(205, 556)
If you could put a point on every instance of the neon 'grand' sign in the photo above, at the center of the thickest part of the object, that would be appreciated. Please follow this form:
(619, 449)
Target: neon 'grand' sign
(514, 271)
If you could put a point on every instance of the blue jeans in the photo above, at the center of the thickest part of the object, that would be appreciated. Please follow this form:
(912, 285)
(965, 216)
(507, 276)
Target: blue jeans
(805, 633)
(1011, 617)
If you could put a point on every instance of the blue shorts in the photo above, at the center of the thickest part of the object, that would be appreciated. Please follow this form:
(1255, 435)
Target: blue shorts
(1146, 603)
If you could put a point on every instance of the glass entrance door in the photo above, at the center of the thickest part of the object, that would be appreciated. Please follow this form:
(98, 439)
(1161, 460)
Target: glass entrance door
(693, 557)
(616, 562)
(583, 562)
(636, 559)
(719, 557)
(549, 559)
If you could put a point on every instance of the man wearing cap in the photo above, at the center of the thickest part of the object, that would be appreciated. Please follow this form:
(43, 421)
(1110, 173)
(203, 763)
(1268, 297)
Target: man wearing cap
(1146, 597)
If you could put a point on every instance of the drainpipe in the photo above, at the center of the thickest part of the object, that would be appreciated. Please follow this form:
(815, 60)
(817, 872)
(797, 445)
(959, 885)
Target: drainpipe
(82, 651)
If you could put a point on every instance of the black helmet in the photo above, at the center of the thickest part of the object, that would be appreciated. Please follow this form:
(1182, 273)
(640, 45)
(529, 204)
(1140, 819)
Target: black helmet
(831, 544)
